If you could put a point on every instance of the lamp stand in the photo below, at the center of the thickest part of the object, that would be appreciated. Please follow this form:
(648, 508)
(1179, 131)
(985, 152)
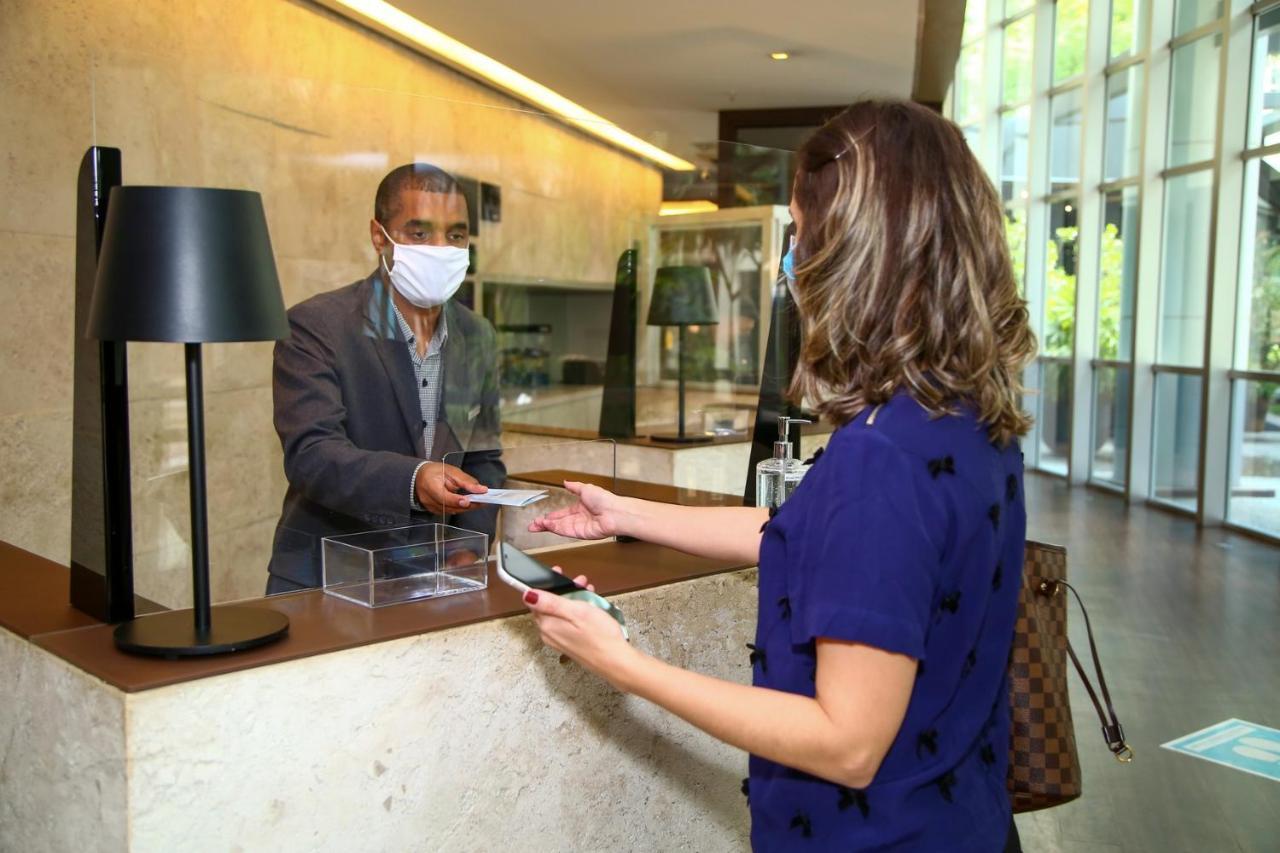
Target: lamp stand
(199, 631)
(681, 437)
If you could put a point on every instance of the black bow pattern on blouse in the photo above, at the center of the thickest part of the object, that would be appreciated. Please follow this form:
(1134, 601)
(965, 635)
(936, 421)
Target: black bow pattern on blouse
(853, 797)
(927, 739)
(817, 454)
(994, 515)
(942, 465)
(1010, 488)
(773, 510)
(945, 783)
(950, 602)
(988, 754)
(801, 820)
(784, 604)
(757, 656)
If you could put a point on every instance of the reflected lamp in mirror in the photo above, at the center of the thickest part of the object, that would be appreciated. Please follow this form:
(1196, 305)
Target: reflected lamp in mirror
(191, 266)
(682, 297)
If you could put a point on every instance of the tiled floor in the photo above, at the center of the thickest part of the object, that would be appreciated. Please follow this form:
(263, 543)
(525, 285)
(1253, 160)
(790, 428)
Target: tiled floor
(1188, 625)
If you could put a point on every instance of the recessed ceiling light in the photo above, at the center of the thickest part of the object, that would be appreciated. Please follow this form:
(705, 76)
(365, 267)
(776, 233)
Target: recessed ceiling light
(779, 55)
(387, 18)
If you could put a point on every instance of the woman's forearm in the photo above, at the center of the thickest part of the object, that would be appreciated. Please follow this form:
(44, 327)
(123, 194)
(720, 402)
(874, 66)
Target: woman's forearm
(721, 533)
(783, 727)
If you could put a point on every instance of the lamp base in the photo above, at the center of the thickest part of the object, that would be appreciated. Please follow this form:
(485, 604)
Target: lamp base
(173, 634)
(681, 439)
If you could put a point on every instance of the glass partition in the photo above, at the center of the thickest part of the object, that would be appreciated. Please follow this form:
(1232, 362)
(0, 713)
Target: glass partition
(533, 485)
(321, 434)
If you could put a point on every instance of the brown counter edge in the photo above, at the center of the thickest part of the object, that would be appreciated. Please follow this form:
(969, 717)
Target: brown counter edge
(35, 595)
(320, 624)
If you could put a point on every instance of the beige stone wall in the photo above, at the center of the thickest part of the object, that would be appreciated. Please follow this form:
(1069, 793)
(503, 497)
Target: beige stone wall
(309, 109)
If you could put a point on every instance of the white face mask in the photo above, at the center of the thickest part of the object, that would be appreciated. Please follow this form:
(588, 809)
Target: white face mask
(427, 276)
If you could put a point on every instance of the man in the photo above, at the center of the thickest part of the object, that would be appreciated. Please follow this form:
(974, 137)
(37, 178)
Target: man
(383, 379)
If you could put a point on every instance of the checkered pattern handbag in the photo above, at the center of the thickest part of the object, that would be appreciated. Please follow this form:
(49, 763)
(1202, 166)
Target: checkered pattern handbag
(1044, 769)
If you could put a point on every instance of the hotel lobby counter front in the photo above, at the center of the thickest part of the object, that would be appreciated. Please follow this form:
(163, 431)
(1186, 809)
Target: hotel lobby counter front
(436, 725)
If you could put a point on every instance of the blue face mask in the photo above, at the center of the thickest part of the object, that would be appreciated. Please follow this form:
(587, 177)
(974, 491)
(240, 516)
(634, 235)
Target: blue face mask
(789, 263)
(789, 269)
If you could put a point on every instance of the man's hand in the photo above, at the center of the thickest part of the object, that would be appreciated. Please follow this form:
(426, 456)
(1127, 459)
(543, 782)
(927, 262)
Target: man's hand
(439, 485)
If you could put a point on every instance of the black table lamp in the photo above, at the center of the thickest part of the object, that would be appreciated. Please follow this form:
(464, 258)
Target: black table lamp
(682, 296)
(189, 265)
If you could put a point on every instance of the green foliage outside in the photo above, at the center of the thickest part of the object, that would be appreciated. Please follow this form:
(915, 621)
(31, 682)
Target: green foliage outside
(1018, 44)
(1071, 21)
(1060, 295)
(1124, 27)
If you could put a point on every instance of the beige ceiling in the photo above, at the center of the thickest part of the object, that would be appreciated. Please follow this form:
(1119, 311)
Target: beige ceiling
(662, 69)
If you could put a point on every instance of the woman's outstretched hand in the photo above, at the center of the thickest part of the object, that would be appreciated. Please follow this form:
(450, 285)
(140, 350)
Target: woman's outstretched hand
(596, 515)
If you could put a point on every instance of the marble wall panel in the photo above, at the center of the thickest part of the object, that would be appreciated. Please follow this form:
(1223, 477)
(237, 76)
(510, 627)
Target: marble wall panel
(35, 486)
(37, 290)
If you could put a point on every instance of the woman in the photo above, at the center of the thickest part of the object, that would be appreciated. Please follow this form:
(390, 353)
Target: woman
(878, 716)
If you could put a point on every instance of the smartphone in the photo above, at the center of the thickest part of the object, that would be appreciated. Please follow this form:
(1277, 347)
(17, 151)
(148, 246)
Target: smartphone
(518, 569)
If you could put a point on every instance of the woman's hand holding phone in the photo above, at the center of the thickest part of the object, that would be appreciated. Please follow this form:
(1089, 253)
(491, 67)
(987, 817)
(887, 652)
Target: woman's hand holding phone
(581, 631)
(598, 514)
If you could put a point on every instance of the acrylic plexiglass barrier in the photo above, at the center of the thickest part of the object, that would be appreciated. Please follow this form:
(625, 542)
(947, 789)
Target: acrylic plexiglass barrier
(535, 472)
(551, 210)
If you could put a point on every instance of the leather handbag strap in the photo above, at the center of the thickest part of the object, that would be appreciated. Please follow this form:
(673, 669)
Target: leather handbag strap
(1112, 731)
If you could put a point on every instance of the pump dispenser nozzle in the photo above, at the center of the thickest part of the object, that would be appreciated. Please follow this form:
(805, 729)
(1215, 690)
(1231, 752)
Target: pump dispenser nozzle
(782, 447)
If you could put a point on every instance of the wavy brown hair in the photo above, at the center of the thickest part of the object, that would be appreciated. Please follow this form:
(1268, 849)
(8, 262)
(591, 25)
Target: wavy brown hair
(903, 277)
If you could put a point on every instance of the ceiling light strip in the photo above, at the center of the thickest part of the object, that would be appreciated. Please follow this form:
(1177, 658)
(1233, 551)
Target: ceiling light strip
(405, 28)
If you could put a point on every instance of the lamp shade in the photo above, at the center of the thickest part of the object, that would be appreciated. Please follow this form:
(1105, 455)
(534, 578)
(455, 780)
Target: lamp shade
(682, 296)
(187, 265)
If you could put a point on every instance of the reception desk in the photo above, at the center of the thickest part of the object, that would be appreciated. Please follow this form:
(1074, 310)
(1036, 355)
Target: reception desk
(436, 725)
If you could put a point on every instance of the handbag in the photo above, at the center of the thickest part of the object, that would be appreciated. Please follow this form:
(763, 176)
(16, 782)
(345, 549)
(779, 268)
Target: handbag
(1044, 769)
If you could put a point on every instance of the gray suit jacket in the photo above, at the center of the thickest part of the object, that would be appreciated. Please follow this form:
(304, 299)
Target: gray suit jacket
(348, 416)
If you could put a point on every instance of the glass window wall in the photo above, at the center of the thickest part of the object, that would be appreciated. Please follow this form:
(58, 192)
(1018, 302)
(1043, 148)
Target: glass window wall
(1175, 474)
(1189, 14)
(1064, 140)
(1193, 101)
(1123, 137)
(1126, 27)
(1253, 475)
(1179, 140)
(1109, 462)
(1018, 44)
(1185, 268)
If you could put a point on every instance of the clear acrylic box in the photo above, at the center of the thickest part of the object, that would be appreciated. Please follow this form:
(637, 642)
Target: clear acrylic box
(400, 564)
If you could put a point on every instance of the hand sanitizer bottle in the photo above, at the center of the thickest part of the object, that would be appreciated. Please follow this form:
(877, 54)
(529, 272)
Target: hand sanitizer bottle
(778, 477)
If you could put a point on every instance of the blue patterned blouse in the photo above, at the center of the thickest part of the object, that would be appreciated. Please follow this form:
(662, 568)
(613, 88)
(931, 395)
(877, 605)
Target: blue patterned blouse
(907, 534)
